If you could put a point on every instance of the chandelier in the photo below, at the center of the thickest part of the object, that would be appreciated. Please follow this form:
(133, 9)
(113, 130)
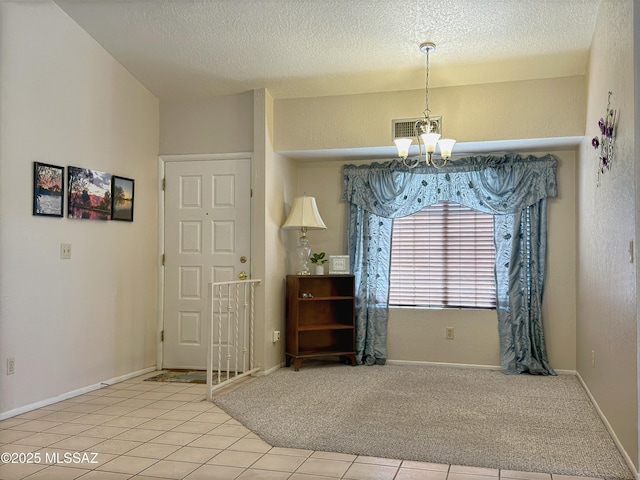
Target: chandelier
(425, 131)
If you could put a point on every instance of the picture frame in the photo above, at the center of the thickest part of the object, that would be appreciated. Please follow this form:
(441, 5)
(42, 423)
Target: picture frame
(89, 194)
(48, 190)
(339, 264)
(122, 198)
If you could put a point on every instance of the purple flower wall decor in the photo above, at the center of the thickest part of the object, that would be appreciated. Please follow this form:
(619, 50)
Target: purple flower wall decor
(604, 141)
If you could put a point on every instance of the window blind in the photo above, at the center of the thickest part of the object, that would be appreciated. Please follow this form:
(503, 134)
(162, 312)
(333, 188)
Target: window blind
(443, 256)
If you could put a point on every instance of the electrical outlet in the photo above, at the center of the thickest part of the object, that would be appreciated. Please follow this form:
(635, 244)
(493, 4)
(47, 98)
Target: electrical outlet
(449, 335)
(65, 251)
(276, 335)
(11, 365)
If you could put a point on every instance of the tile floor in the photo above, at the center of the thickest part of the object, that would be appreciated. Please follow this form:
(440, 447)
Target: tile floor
(152, 430)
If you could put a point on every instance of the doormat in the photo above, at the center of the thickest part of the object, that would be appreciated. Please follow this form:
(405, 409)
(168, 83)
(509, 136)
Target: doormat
(188, 376)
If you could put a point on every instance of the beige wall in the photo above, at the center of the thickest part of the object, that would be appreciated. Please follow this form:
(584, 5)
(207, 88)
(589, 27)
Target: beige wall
(503, 111)
(607, 307)
(220, 125)
(418, 335)
(72, 324)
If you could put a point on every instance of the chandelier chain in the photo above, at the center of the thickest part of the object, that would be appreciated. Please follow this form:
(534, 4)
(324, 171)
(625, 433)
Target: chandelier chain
(427, 111)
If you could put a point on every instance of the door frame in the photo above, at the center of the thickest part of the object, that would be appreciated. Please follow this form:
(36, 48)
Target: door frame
(162, 160)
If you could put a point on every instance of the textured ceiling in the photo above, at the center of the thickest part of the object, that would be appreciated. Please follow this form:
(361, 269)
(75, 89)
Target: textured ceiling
(195, 49)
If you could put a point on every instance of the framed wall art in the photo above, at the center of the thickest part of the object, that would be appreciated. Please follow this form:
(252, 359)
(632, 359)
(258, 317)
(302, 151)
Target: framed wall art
(48, 190)
(339, 264)
(122, 191)
(89, 194)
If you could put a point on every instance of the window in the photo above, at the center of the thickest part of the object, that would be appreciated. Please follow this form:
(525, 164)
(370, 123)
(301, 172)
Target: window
(443, 256)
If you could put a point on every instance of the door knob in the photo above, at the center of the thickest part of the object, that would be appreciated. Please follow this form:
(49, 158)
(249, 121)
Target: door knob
(242, 275)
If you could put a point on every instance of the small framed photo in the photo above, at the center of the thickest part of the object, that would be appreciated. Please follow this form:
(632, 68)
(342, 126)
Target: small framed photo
(122, 191)
(89, 194)
(339, 264)
(48, 190)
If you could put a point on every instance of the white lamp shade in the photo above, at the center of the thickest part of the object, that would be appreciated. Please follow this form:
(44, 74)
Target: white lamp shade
(304, 214)
(430, 141)
(446, 145)
(403, 145)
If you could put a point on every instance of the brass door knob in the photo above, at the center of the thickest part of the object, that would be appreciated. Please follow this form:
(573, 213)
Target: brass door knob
(242, 275)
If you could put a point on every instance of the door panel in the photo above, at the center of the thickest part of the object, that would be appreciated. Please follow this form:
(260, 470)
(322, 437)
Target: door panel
(207, 231)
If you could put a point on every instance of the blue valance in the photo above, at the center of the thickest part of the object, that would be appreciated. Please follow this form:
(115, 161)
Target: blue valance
(490, 184)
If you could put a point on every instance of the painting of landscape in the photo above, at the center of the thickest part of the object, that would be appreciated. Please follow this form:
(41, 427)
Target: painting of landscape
(48, 189)
(122, 197)
(89, 194)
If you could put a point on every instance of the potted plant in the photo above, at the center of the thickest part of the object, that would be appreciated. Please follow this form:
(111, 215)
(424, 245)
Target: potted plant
(318, 260)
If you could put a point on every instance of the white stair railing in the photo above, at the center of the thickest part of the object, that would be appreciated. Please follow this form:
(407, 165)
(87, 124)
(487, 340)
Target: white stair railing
(231, 327)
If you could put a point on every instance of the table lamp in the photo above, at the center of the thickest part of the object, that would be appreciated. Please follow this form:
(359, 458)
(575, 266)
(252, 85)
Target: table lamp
(305, 216)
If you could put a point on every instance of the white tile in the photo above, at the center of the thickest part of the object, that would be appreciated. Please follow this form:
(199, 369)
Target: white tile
(440, 467)
(324, 467)
(255, 474)
(160, 424)
(344, 457)
(170, 469)
(212, 417)
(58, 473)
(11, 471)
(378, 461)
(219, 472)
(230, 430)
(106, 476)
(306, 476)
(194, 454)
(232, 458)
(250, 445)
(115, 446)
(213, 441)
(126, 464)
(153, 450)
(279, 463)
(176, 438)
(77, 443)
(296, 452)
(366, 471)
(138, 435)
(487, 472)
(420, 474)
(468, 476)
(42, 439)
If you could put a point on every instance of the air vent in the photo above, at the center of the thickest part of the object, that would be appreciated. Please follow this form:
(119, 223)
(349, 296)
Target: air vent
(405, 127)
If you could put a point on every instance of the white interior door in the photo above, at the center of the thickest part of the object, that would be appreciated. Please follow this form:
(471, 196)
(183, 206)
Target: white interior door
(207, 239)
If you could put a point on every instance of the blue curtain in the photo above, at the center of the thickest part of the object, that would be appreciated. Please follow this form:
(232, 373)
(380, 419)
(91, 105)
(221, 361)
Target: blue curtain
(512, 188)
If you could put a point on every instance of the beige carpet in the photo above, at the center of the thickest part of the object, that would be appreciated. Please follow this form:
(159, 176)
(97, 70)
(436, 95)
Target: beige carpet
(432, 414)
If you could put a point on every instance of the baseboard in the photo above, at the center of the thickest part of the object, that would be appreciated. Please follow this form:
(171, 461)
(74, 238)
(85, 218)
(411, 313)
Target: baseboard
(271, 370)
(463, 365)
(73, 393)
(442, 364)
(607, 425)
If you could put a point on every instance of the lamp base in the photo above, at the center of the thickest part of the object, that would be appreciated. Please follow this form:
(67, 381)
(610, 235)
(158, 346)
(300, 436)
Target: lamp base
(304, 252)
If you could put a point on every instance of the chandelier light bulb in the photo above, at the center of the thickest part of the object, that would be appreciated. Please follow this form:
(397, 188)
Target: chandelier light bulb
(403, 145)
(430, 141)
(446, 145)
